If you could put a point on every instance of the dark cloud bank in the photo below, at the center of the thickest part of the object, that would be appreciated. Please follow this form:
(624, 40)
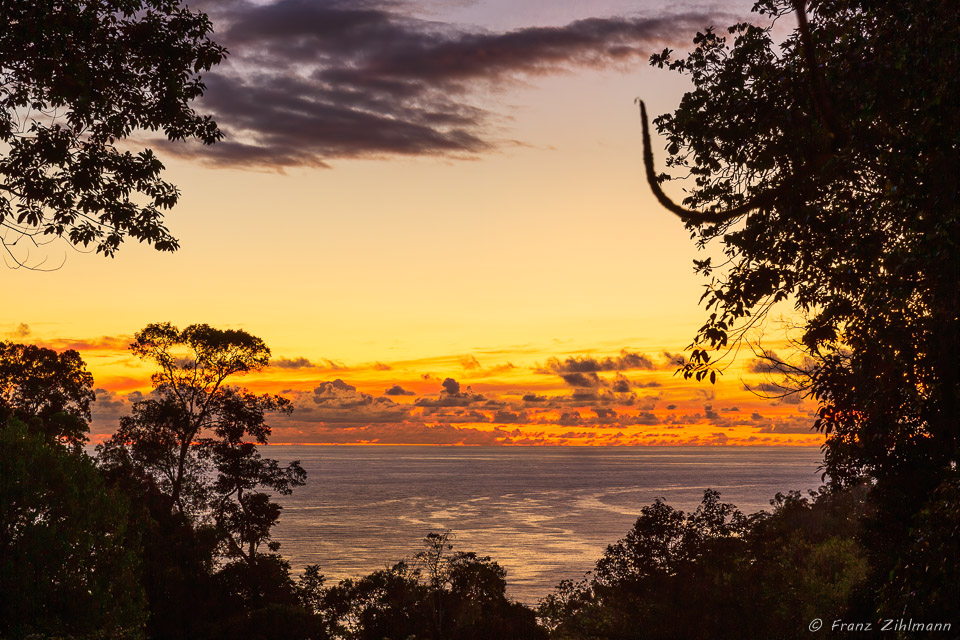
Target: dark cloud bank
(308, 81)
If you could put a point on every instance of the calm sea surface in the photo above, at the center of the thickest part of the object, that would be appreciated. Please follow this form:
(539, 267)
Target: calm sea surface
(543, 513)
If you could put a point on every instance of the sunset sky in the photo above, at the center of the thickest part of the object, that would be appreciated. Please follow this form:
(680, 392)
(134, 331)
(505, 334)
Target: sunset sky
(433, 212)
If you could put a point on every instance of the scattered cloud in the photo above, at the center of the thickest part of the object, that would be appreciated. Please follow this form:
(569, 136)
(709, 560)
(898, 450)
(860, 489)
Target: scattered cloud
(779, 393)
(337, 402)
(397, 390)
(451, 395)
(405, 433)
(292, 363)
(621, 384)
(602, 406)
(673, 360)
(303, 363)
(582, 380)
(20, 332)
(626, 361)
(770, 362)
(103, 344)
(706, 395)
(797, 423)
(109, 406)
(451, 387)
(509, 417)
(341, 395)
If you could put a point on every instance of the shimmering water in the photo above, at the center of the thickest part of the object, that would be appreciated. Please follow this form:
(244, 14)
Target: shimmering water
(543, 513)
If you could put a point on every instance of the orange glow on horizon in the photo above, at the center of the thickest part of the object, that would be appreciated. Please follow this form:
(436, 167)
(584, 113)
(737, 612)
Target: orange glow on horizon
(462, 401)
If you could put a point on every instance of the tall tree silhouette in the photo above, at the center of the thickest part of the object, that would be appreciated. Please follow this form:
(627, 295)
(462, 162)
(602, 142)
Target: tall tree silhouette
(839, 158)
(197, 437)
(854, 216)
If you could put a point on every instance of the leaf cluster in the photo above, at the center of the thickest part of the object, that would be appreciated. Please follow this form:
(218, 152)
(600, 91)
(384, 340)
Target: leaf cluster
(76, 78)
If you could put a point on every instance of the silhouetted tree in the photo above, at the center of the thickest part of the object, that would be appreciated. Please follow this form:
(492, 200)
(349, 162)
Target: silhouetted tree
(69, 562)
(716, 573)
(434, 561)
(179, 557)
(467, 593)
(838, 153)
(443, 594)
(244, 514)
(48, 391)
(866, 239)
(197, 438)
(75, 78)
(387, 604)
(188, 456)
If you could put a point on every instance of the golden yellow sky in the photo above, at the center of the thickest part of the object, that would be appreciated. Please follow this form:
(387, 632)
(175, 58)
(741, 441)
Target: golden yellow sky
(405, 270)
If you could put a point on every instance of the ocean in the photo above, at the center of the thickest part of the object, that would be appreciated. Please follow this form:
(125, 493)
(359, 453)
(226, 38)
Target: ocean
(544, 513)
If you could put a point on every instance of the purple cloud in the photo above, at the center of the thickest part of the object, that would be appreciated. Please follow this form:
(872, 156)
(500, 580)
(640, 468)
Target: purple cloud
(309, 81)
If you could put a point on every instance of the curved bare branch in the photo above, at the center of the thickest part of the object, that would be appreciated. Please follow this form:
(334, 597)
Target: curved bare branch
(690, 215)
(825, 112)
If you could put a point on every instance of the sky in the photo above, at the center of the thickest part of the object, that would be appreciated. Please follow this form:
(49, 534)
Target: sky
(433, 212)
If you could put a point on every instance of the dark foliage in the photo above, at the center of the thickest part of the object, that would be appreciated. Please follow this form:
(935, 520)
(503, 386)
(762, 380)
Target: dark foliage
(190, 450)
(443, 594)
(845, 140)
(867, 245)
(178, 558)
(197, 438)
(926, 578)
(48, 391)
(191, 592)
(290, 622)
(716, 573)
(76, 78)
(69, 562)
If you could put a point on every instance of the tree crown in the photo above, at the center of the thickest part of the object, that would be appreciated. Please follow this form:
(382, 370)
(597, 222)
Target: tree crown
(47, 390)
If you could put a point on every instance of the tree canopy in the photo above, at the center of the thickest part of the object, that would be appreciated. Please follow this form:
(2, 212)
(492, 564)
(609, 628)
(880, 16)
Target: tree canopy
(48, 391)
(197, 438)
(442, 594)
(766, 575)
(69, 564)
(828, 168)
(844, 140)
(68, 561)
(76, 78)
